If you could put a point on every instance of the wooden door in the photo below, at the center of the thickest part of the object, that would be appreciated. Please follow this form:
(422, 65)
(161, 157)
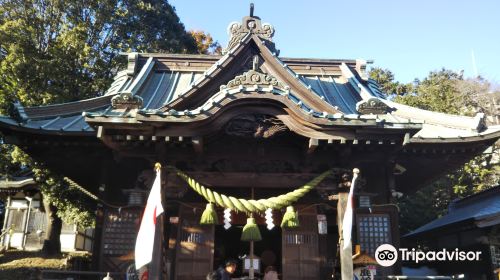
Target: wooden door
(195, 247)
(300, 249)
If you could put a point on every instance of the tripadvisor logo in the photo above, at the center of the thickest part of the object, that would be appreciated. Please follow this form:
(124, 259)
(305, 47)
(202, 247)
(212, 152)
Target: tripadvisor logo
(387, 255)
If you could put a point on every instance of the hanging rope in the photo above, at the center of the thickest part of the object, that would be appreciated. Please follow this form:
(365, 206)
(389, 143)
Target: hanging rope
(250, 205)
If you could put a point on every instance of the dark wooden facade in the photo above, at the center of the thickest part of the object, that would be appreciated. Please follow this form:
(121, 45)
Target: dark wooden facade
(246, 120)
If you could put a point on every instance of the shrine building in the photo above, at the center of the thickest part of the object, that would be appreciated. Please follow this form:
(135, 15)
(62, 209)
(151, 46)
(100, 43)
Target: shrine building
(249, 124)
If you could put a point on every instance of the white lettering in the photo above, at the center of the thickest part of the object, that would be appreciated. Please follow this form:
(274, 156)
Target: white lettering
(442, 255)
(470, 255)
(404, 254)
(419, 256)
(430, 256)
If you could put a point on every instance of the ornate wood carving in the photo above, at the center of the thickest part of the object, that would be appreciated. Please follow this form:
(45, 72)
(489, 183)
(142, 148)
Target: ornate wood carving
(255, 126)
(126, 100)
(250, 24)
(373, 106)
(254, 77)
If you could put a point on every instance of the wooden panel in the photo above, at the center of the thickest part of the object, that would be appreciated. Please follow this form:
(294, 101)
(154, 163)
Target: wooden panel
(195, 247)
(120, 231)
(36, 222)
(300, 249)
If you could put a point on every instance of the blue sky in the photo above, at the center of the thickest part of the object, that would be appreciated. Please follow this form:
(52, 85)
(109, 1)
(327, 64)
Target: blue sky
(410, 38)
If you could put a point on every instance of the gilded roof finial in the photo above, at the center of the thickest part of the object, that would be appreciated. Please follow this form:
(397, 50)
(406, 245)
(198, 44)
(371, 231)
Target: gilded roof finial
(251, 9)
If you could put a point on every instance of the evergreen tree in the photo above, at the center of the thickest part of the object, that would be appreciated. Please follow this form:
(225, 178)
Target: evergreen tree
(448, 92)
(54, 51)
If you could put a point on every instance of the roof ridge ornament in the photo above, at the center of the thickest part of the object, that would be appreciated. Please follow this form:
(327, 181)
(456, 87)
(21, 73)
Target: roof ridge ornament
(126, 100)
(254, 77)
(250, 24)
(373, 106)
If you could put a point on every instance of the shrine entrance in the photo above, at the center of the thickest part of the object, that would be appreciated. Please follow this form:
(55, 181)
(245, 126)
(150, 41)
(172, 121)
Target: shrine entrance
(228, 245)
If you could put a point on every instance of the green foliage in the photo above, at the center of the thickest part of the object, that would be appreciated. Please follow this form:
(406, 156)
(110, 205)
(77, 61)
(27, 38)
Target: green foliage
(448, 92)
(72, 206)
(150, 26)
(437, 92)
(385, 79)
(7, 164)
(205, 43)
(431, 202)
(54, 51)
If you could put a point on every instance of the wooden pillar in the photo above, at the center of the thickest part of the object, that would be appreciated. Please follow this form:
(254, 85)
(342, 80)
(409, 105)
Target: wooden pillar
(5, 225)
(97, 250)
(346, 268)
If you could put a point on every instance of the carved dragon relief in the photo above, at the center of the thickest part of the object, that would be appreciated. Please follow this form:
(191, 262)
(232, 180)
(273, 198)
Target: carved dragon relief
(255, 126)
(250, 24)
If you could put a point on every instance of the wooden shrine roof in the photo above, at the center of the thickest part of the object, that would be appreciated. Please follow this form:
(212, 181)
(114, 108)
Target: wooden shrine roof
(183, 88)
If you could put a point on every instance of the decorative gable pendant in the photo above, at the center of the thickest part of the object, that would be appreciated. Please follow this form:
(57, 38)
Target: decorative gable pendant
(249, 25)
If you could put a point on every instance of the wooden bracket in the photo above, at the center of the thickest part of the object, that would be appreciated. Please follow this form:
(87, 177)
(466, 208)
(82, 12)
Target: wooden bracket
(313, 144)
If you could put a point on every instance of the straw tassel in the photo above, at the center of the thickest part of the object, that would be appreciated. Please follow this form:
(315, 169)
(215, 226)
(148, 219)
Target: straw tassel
(290, 219)
(251, 231)
(209, 216)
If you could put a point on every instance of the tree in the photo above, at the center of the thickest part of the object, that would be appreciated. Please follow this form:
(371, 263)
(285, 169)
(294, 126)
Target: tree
(437, 92)
(54, 51)
(448, 92)
(205, 43)
(385, 79)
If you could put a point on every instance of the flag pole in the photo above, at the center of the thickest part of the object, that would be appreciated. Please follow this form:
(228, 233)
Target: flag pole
(344, 220)
(155, 267)
(148, 235)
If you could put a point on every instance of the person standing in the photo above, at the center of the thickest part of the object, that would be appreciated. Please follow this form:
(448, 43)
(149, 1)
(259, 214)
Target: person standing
(223, 272)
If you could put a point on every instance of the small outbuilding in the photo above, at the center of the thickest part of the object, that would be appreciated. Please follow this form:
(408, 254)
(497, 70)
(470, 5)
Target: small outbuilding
(472, 224)
(25, 222)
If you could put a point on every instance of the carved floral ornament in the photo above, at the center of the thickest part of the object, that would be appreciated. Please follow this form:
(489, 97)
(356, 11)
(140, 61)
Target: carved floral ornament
(252, 78)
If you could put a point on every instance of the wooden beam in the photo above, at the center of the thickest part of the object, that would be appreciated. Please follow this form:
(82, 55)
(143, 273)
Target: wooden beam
(197, 144)
(406, 139)
(313, 144)
(100, 132)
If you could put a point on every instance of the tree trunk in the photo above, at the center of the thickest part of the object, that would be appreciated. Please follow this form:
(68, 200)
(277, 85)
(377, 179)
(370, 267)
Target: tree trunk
(52, 243)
